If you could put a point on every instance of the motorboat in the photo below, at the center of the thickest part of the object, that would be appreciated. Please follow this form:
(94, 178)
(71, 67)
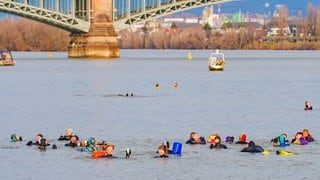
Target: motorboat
(216, 61)
(6, 58)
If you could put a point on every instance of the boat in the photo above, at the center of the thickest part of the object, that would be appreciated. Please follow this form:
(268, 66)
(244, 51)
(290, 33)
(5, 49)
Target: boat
(6, 58)
(216, 61)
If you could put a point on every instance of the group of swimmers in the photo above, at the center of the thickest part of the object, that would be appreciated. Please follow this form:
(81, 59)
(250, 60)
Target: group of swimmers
(104, 149)
(174, 86)
(301, 138)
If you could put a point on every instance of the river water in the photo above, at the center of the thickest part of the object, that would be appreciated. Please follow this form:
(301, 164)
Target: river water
(261, 93)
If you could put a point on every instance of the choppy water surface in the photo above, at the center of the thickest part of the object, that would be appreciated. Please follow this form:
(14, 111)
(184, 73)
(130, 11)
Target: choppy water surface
(261, 93)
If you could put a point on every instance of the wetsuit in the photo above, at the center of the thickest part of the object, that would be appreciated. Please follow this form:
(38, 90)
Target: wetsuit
(218, 146)
(192, 141)
(64, 138)
(162, 156)
(252, 148)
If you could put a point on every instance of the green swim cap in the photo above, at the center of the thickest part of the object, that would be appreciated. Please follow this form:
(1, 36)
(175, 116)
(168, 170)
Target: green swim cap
(91, 141)
(14, 138)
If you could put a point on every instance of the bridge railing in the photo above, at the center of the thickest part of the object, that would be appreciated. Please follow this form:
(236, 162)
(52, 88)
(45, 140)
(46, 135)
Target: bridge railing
(125, 8)
(71, 15)
(74, 8)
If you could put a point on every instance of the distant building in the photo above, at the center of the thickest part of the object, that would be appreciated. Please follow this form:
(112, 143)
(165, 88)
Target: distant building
(208, 17)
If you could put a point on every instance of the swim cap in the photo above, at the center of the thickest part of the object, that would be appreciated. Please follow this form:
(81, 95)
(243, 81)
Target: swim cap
(281, 139)
(212, 137)
(14, 138)
(230, 139)
(243, 137)
(91, 141)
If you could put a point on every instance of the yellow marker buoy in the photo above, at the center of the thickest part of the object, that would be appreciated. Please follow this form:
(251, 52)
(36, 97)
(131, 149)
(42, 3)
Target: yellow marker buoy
(50, 54)
(265, 152)
(189, 56)
(285, 153)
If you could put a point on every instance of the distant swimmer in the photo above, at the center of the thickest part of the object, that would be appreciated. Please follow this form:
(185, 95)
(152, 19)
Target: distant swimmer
(157, 86)
(175, 86)
(15, 138)
(307, 106)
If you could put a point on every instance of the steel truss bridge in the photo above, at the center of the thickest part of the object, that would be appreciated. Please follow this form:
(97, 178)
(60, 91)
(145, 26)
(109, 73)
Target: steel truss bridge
(76, 15)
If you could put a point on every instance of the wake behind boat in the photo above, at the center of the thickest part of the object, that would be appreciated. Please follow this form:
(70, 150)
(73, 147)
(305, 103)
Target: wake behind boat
(216, 61)
(6, 58)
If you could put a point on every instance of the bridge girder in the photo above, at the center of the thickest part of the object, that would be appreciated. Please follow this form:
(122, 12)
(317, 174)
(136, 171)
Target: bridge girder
(161, 10)
(53, 18)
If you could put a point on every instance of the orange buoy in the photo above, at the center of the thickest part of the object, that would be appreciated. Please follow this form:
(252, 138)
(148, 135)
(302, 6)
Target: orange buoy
(98, 154)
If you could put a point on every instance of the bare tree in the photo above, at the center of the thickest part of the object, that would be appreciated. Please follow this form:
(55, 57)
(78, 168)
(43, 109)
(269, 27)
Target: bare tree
(317, 29)
(283, 19)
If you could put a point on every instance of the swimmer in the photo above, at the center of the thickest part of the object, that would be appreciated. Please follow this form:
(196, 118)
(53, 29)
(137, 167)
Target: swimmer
(195, 139)
(15, 138)
(217, 144)
(307, 106)
(242, 139)
(162, 152)
(253, 148)
(43, 144)
(307, 135)
(299, 139)
(37, 138)
(157, 86)
(212, 137)
(67, 136)
(89, 146)
(175, 86)
(282, 140)
(109, 150)
(73, 141)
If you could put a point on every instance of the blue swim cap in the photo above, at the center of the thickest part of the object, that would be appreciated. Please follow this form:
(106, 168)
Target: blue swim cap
(281, 139)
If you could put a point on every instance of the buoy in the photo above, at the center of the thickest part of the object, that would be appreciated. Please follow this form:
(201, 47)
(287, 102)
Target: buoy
(50, 54)
(176, 148)
(189, 56)
(98, 154)
(265, 152)
(285, 153)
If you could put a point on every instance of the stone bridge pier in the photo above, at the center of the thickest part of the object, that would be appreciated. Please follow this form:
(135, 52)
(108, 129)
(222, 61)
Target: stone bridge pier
(101, 40)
